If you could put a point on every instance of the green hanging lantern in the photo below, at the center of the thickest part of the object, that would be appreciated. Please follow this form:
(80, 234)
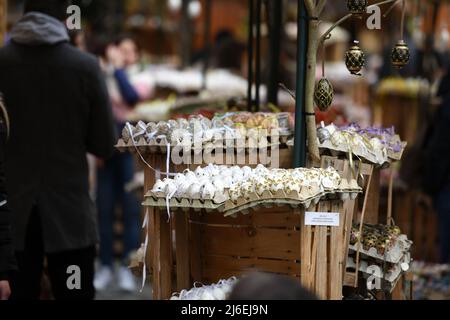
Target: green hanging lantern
(400, 55)
(355, 59)
(324, 94)
(357, 7)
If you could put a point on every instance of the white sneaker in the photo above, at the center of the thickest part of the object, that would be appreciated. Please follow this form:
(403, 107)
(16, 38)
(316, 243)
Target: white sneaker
(126, 280)
(103, 278)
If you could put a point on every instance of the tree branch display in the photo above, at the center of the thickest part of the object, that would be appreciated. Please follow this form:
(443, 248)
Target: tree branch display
(315, 8)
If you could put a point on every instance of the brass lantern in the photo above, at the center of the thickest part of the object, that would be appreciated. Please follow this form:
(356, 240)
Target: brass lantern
(355, 59)
(400, 55)
(324, 94)
(357, 7)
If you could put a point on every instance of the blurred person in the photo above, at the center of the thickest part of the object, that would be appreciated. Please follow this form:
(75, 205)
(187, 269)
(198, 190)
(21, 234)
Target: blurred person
(437, 167)
(60, 110)
(7, 261)
(114, 175)
(264, 286)
(78, 39)
(225, 53)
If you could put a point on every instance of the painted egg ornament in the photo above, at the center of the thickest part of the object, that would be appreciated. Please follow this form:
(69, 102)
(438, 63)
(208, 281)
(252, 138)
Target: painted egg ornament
(355, 59)
(400, 55)
(324, 94)
(357, 7)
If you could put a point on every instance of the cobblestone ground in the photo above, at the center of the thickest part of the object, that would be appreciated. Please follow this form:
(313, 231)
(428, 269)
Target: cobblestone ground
(114, 293)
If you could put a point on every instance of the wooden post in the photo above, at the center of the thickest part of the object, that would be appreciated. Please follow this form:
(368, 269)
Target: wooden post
(3, 20)
(373, 201)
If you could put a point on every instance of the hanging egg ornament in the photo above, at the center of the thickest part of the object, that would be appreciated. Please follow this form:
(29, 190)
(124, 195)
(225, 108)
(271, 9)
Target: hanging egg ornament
(355, 59)
(324, 94)
(357, 7)
(400, 55)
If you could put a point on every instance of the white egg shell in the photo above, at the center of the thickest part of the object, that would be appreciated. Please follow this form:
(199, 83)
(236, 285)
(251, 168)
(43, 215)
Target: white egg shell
(194, 191)
(183, 189)
(191, 176)
(207, 296)
(208, 191)
(376, 143)
(327, 183)
(180, 177)
(219, 183)
(159, 186)
(219, 294)
(227, 181)
(171, 188)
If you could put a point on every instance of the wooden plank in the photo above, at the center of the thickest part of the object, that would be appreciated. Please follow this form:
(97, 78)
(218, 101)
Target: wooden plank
(182, 252)
(195, 240)
(373, 200)
(250, 242)
(321, 281)
(251, 265)
(337, 253)
(268, 220)
(155, 232)
(349, 208)
(397, 293)
(305, 245)
(313, 269)
(165, 256)
(211, 276)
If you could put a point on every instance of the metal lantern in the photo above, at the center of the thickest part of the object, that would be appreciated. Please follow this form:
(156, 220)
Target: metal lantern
(357, 7)
(400, 55)
(355, 59)
(324, 94)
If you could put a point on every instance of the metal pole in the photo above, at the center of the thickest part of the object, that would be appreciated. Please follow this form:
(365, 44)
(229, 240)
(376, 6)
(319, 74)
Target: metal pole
(207, 43)
(251, 14)
(258, 55)
(276, 17)
(300, 124)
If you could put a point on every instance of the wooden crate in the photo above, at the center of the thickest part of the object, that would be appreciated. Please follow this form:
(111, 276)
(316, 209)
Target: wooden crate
(210, 247)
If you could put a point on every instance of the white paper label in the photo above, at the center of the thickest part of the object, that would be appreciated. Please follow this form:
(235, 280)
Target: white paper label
(329, 219)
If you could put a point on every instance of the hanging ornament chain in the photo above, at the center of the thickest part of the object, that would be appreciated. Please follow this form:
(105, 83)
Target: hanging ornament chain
(323, 59)
(402, 25)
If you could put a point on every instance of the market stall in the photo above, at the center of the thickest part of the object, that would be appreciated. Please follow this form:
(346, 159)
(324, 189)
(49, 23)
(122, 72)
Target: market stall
(207, 221)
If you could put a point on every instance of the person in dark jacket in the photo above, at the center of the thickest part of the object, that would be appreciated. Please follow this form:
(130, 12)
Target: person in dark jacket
(59, 110)
(7, 263)
(437, 175)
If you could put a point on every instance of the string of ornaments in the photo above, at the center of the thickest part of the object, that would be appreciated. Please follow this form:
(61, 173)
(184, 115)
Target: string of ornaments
(355, 58)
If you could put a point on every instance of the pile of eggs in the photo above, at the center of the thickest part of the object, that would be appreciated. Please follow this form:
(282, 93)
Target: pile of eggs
(222, 183)
(219, 291)
(199, 130)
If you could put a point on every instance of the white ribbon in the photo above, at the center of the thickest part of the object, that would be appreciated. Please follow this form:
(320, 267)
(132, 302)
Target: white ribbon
(140, 154)
(3, 203)
(144, 269)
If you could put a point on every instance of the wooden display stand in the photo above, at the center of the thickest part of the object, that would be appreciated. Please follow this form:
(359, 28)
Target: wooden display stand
(206, 247)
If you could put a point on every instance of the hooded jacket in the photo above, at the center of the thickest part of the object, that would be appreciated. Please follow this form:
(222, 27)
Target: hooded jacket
(7, 261)
(59, 110)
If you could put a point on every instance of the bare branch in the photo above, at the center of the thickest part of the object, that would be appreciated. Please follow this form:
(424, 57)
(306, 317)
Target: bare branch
(339, 22)
(320, 7)
(390, 9)
(348, 16)
(309, 7)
